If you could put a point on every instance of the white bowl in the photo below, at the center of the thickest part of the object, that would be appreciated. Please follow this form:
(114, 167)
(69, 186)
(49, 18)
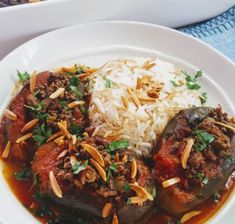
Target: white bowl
(95, 43)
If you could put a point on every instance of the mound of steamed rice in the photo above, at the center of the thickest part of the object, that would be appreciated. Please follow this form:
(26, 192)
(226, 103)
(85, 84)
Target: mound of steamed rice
(133, 99)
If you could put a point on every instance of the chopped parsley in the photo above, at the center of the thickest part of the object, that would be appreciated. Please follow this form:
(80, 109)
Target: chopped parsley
(107, 82)
(79, 70)
(43, 205)
(38, 108)
(83, 110)
(74, 81)
(174, 83)
(201, 177)
(204, 140)
(111, 148)
(23, 76)
(41, 134)
(78, 167)
(112, 168)
(77, 93)
(76, 129)
(205, 180)
(126, 187)
(154, 193)
(36, 92)
(191, 82)
(203, 98)
(24, 174)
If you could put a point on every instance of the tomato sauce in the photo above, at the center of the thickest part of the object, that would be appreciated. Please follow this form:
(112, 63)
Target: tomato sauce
(24, 191)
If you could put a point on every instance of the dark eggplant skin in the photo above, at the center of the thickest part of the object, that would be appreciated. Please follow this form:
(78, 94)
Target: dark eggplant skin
(175, 199)
(86, 201)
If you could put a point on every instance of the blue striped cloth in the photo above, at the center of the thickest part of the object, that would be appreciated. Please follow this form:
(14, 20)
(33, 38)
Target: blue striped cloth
(219, 32)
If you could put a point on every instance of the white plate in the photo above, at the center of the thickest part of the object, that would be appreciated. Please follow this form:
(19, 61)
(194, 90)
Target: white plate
(23, 22)
(95, 43)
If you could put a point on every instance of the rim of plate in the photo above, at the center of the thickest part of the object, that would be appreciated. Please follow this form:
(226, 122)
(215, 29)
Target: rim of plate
(226, 208)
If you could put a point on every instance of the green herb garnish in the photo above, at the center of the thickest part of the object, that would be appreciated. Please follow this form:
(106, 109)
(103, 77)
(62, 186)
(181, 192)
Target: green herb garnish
(204, 138)
(107, 82)
(43, 205)
(191, 81)
(83, 110)
(77, 93)
(23, 76)
(154, 193)
(41, 134)
(112, 168)
(174, 83)
(126, 187)
(74, 81)
(203, 98)
(76, 129)
(24, 174)
(111, 148)
(205, 180)
(38, 108)
(78, 167)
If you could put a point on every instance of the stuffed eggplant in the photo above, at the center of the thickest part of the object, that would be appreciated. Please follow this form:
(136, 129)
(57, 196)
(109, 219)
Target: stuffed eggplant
(194, 158)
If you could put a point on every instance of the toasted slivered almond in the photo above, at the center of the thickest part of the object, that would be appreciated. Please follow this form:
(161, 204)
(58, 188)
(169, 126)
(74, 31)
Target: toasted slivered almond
(57, 93)
(141, 192)
(75, 103)
(24, 137)
(136, 200)
(182, 81)
(32, 82)
(10, 115)
(74, 139)
(57, 134)
(73, 160)
(54, 185)
(30, 125)
(6, 151)
(100, 170)
(116, 157)
(64, 129)
(171, 95)
(125, 158)
(85, 134)
(62, 154)
(106, 210)
(59, 141)
(89, 70)
(189, 215)
(125, 102)
(147, 100)
(133, 168)
(94, 153)
(148, 66)
(115, 219)
(169, 182)
(69, 70)
(139, 83)
(225, 125)
(186, 152)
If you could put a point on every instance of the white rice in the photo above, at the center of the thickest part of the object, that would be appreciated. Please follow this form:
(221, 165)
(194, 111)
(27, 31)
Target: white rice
(140, 124)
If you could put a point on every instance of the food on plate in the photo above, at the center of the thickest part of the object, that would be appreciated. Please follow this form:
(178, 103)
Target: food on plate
(5, 3)
(129, 142)
(194, 158)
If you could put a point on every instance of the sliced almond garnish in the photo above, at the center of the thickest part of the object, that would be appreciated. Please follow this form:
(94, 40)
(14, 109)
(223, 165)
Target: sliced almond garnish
(139, 83)
(116, 157)
(140, 191)
(59, 141)
(133, 168)
(125, 158)
(73, 160)
(115, 219)
(64, 129)
(23, 138)
(94, 153)
(10, 115)
(125, 102)
(74, 139)
(148, 65)
(106, 210)
(57, 93)
(32, 82)
(69, 70)
(169, 182)
(100, 170)
(54, 185)
(57, 134)
(186, 152)
(136, 200)
(62, 154)
(226, 126)
(75, 103)
(189, 215)
(89, 70)
(6, 151)
(30, 125)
